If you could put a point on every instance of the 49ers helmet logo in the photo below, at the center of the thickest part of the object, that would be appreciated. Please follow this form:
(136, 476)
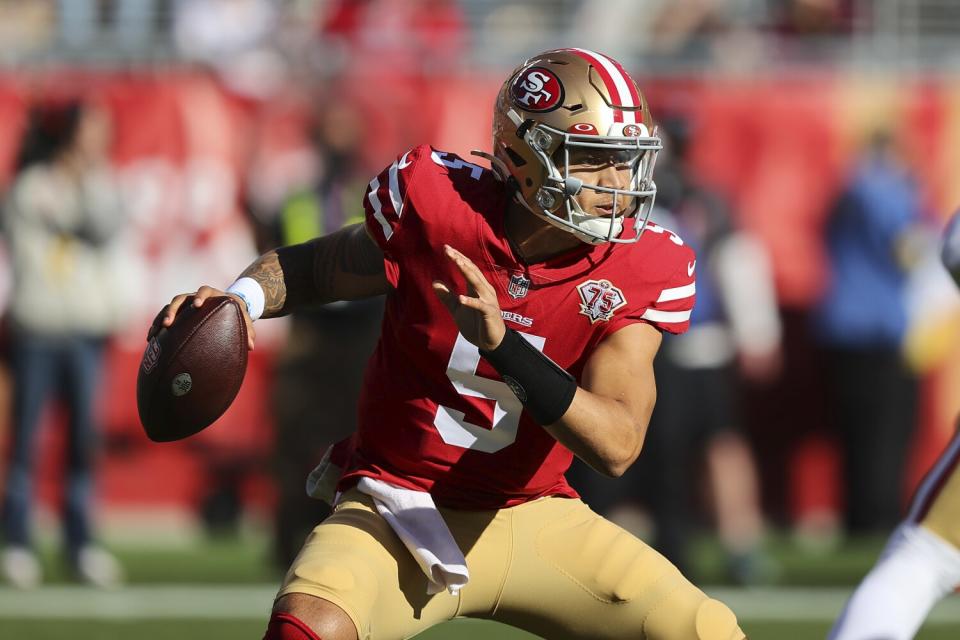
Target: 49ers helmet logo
(537, 89)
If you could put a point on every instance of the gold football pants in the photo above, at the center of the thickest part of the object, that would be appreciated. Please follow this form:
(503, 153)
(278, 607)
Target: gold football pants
(551, 567)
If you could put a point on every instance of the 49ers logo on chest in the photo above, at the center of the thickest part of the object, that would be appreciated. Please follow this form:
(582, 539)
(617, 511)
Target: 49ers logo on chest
(599, 299)
(537, 89)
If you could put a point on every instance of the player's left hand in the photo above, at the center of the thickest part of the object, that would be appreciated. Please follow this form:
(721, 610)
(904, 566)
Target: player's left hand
(477, 313)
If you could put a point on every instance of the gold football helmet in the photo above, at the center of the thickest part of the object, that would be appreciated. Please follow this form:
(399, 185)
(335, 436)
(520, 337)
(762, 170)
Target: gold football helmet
(582, 101)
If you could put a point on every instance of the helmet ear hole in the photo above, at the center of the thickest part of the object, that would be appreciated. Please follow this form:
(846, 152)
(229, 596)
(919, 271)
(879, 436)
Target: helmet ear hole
(529, 182)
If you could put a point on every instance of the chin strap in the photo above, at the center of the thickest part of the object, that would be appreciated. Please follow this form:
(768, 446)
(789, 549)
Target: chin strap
(600, 226)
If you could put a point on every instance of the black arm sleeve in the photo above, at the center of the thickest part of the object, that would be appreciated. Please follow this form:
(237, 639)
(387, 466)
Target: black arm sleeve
(545, 389)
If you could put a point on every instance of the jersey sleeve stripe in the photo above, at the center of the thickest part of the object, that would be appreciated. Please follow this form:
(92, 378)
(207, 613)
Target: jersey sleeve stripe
(396, 199)
(667, 317)
(378, 208)
(678, 293)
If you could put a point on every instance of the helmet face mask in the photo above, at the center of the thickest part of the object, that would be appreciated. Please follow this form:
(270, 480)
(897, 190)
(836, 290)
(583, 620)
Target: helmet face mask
(636, 155)
(573, 108)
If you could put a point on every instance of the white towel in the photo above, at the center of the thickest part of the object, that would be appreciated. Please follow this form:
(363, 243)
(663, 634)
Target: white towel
(415, 518)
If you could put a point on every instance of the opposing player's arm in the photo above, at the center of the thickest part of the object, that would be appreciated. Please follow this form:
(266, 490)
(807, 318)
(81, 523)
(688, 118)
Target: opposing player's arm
(345, 265)
(606, 423)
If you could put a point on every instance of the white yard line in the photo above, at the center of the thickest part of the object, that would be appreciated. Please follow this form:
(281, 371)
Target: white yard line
(254, 601)
(137, 602)
(816, 604)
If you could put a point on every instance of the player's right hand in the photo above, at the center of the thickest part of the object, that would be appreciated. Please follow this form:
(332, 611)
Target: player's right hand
(477, 312)
(165, 318)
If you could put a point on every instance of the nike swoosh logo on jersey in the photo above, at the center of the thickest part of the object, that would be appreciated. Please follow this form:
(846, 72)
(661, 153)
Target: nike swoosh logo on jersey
(690, 267)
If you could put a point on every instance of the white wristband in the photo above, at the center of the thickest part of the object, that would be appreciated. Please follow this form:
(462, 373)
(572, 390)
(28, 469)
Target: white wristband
(252, 294)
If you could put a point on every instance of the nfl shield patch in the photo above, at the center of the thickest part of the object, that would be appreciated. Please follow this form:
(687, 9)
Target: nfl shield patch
(599, 299)
(519, 285)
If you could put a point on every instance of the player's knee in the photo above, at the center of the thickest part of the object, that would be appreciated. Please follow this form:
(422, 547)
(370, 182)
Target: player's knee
(689, 614)
(715, 621)
(286, 626)
(299, 616)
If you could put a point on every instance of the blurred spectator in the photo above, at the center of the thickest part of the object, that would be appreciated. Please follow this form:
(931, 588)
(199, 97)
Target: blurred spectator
(215, 30)
(79, 21)
(684, 29)
(26, 26)
(696, 423)
(622, 38)
(319, 370)
(136, 22)
(234, 38)
(511, 30)
(392, 57)
(415, 36)
(734, 329)
(861, 321)
(86, 25)
(813, 17)
(658, 32)
(61, 218)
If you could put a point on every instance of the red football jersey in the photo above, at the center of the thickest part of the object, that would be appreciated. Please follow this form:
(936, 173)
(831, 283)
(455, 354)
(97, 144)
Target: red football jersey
(434, 416)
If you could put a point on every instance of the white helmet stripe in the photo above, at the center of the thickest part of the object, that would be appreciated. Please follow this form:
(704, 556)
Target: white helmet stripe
(622, 89)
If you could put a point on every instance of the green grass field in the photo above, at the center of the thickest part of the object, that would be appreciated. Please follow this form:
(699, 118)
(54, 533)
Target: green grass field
(221, 589)
(244, 560)
(166, 629)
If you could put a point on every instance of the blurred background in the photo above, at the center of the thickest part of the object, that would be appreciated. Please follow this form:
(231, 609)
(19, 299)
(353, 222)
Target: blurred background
(149, 146)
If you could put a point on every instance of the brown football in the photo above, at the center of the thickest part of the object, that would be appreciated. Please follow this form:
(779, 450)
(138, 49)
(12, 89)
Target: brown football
(192, 370)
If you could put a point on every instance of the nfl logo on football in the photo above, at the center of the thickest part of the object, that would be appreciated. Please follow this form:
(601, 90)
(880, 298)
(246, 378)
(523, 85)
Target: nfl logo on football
(151, 356)
(519, 285)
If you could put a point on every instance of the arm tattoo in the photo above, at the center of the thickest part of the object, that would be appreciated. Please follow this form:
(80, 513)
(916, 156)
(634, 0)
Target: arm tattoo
(346, 255)
(344, 265)
(276, 278)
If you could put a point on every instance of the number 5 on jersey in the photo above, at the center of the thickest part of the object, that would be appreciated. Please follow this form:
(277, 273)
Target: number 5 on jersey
(452, 424)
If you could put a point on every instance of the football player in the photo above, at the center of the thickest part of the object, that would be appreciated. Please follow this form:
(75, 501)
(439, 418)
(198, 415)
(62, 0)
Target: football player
(525, 304)
(921, 562)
